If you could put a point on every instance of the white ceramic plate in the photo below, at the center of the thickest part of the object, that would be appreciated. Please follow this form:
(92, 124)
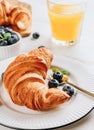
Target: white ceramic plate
(78, 107)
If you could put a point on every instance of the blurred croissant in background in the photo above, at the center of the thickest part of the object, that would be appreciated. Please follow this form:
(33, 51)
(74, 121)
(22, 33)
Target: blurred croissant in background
(25, 81)
(17, 15)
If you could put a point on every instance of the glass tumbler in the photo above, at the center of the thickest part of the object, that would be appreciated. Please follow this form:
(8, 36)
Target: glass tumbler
(66, 17)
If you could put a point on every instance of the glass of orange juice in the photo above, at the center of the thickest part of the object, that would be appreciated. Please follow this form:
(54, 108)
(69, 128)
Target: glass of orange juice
(66, 18)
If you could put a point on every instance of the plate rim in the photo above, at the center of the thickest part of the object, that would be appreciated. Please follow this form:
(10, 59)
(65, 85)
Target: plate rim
(52, 127)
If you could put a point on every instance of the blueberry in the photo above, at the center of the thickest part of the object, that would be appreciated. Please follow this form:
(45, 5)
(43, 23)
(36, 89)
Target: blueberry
(4, 43)
(41, 47)
(35, 35)
(16, 36)
(58, 76)
(2, 32)
(13, 39)
(68, 89)
(8, 30)
(53, 83)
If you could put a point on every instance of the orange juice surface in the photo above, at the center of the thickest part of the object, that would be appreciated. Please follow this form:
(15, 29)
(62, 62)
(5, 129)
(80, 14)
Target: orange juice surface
(65, 26)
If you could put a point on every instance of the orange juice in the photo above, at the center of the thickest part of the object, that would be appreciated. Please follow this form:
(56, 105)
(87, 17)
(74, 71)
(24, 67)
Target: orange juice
(65, 22)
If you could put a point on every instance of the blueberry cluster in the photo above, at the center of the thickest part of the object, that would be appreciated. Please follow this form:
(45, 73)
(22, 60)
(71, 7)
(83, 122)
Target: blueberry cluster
(57, 79)
(7, 36)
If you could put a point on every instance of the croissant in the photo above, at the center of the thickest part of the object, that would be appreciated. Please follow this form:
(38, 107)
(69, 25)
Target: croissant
(16, 16)
(25, 81)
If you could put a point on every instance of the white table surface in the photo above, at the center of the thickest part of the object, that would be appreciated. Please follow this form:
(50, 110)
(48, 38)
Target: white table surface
(83, 51)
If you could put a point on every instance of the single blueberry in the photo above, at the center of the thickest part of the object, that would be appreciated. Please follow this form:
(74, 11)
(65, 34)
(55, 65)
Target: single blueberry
(53, 83)
(2, 32)
(15, 36)
(41, 47)
(35, 35)
(58, 76)
(13, 39)
(71, 92)
(68, 89)
(10, 41)
(4, 43)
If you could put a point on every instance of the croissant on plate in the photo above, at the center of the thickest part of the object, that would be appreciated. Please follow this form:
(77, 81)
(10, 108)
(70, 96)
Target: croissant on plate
(25, 81)
(16, 16)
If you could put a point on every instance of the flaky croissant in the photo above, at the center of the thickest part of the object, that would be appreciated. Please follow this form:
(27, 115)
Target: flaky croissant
(16, 16)
(25, 81)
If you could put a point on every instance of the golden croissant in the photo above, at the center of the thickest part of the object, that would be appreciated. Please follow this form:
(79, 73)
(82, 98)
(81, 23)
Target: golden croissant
(25, 81)
(16, 16)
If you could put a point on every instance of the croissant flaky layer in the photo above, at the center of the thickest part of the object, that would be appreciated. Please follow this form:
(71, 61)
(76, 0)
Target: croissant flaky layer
(15, 15)
(25, 81)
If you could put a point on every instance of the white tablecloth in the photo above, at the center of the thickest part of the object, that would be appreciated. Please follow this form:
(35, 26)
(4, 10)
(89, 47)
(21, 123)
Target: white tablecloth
(83, 51)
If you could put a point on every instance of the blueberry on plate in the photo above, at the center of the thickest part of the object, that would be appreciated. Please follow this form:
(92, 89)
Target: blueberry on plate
(58, 76)
(4, 43)
(13, 39)
(35, 35)
(53, 83)
(68, 89)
